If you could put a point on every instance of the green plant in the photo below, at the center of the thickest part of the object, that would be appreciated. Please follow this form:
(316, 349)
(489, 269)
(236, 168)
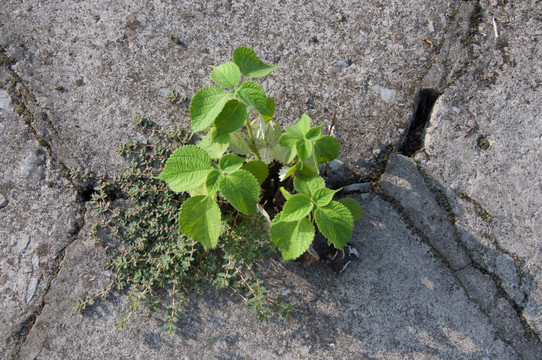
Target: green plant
(232, 161)
(150, 257)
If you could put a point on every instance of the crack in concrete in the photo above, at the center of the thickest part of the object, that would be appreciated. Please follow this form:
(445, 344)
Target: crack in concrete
(443, 202)
(24, 99)
(28, 324)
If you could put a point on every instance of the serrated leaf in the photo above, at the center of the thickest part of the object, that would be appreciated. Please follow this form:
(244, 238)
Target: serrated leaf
(323, 196)
(226, 75)
(257, 168)
(186, 168)
(249, 64)
(308, 184)
(200, 219)
(335, 222)
(304, 149)
(270, 109)
(253, 94)
(314, 133)
(200, 190)
(232, 117)
(215, 143)
(286, 171)
(306, 169)
(213, 179)
(272, 133)
(230, 162)
(325, 149)
(300, 127)
(292, 238)
(266, 154)
(282, 154)
(205, 107)
(289, 141)
(353, 206)
(297, 207)
(242, 190)
(239, 143)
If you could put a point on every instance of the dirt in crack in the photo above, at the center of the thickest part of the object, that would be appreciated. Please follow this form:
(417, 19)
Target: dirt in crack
(414, 136)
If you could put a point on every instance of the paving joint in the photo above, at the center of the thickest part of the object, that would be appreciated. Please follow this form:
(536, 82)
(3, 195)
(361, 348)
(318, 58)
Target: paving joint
(29, 323)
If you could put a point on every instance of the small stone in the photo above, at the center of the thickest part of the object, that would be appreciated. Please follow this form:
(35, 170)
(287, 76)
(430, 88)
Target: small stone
(5, 99)
(336, 165)
(359, 187)
(31, 289)
(3, 201)
(388, 95)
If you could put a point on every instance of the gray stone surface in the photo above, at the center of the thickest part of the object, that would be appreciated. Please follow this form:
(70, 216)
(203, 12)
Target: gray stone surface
(38, 216)
(450, 240)
(398, 301)
(114, 61)
(496, 189)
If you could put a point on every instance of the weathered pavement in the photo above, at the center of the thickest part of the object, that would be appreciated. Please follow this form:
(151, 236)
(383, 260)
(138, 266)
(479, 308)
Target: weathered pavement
(450, 240)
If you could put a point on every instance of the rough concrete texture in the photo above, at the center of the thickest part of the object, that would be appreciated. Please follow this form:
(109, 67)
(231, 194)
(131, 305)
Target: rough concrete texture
(492, 175)
(450, 241)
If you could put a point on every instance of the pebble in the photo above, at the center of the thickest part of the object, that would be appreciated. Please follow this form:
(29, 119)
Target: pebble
(31, 289)
(3, 201)
(5, 99)
(359, 187)
(388, 95)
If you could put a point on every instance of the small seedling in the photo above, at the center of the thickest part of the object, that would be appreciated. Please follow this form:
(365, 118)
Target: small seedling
(234, 157)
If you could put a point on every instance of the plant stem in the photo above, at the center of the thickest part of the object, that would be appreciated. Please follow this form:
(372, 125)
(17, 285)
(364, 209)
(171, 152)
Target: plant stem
(252, 142)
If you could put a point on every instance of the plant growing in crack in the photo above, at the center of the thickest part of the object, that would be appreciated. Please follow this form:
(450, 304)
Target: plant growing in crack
(237, 117)
(184, 214)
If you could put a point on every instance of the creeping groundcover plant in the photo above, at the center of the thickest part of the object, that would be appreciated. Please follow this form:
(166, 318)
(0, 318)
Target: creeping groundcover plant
(237, 187)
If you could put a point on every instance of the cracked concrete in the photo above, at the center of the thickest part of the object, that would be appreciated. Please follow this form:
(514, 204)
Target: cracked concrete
(450, 241)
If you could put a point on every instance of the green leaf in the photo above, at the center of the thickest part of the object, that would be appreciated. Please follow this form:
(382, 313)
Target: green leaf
(230, 162)
(306, 169)
(285, 193)
(186, 168)
(240, 143)
(335, 222)
(270, 109)
(242, 190)
(232, 117)
(249, 64)
(287, 171)
(292, 238)
(199, 218)
(308, 184)
(205, 107)
(282, 154)
(272, 133)
(314, 133)
(257, 168)
(296, 208)
(304, 149)
(325, 149)
(323, 196)
(215, 143)
(301, 127)
(288, 140)
(213, 179)
(253, 94)
(353, 206)
(226, 75)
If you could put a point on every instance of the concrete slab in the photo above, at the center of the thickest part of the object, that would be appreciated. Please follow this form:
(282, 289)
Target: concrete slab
(450, 243)
(38, 217)
(399, 301)
(114, 60)
(483, 146)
